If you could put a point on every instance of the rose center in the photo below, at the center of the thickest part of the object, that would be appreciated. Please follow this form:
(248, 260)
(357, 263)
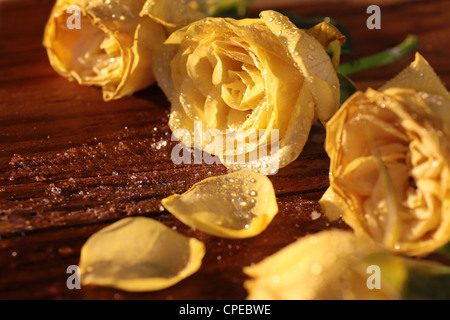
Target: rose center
(95, 55)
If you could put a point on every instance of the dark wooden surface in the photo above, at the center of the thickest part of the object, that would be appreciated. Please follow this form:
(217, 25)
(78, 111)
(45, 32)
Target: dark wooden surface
(71, 164)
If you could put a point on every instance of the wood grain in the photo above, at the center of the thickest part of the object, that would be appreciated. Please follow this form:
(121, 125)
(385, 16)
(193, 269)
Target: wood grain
(71, 164)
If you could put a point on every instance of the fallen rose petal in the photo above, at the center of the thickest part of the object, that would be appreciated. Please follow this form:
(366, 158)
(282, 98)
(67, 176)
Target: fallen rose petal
(237, 205)
(139, 254)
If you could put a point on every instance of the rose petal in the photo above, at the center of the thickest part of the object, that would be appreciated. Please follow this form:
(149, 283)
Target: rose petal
(173, 14)
(419, 76)
(237, 205)
(139, 254)
(314, 64)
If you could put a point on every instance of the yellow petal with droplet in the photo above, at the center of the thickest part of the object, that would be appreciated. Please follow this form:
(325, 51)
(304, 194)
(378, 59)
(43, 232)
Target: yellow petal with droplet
(314, 64)
(237, 205)
(139, 254)
(328, 35)
(173, 14)
(420, 76)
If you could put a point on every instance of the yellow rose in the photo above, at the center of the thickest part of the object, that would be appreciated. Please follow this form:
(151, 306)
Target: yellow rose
(109, 43)
(390, 162)
(339, 265)
(329, 265)
(248, 81)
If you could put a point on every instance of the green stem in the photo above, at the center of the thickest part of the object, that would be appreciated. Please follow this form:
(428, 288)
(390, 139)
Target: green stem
(445, 250)
(381, 59)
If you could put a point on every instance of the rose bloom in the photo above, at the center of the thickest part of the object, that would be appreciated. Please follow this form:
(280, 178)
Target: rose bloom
(248, 79)
(390, 162)
(336, 264)
(329, 265)
(111, 43)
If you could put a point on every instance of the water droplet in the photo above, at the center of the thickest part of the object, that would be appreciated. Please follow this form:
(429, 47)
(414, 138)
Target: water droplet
(311, 47)
(243, 203)
(158, 145)
(55, 190)
(252, 193)
(310, 57)
(315, 215)
(230, 180)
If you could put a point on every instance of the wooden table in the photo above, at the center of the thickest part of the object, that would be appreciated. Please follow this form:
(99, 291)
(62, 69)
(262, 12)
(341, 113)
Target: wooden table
(70, 164)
